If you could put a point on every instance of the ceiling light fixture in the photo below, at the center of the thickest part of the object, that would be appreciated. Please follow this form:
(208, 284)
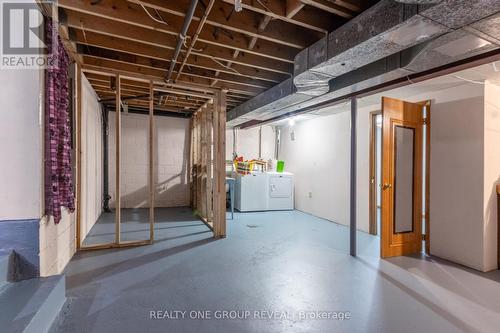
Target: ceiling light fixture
(237, 6)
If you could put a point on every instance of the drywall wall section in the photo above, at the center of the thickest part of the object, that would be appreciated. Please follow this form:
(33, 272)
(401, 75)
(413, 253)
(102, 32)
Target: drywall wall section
(171, 144)
(318, 155)
(457, 176)
(57, 241)
(247, 143)
(491, 171)
(91, 159)
(21, 144)
(464, 167)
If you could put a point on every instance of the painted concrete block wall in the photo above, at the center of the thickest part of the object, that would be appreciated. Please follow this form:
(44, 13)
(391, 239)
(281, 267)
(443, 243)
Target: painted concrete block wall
(171, 156)
(319, 158)
(247, 142)
(21, 144)
(57, 241)
(491, 171)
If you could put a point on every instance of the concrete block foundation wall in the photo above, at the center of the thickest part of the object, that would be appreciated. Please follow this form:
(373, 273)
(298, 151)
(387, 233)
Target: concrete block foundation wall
(247, 143)
(171, 155)
(21, 176)
(57, 243)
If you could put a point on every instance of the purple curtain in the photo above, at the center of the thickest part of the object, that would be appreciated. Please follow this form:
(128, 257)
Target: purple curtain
(58, 175)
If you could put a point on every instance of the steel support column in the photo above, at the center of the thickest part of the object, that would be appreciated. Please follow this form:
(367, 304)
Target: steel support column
(352, 224)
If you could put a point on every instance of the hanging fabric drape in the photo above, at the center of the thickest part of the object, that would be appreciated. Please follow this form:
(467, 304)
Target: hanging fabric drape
(58, 176)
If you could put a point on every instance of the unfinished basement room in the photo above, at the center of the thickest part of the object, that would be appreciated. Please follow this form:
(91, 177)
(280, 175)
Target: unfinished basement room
(250, 166)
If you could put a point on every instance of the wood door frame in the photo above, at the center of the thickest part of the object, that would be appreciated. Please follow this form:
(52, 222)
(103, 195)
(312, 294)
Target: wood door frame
(427, 201)
(372, 175)
(372, 196)
(425, 180)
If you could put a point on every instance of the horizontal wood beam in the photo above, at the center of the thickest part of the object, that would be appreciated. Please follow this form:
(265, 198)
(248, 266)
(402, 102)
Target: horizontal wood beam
(102, 81)
(277, 10)
(126, 12)
(293, 7)
(101, 65)
(196, 72)
(101, 45)
(329, 6)
(352, 5)
(254, 65)
(224, 17)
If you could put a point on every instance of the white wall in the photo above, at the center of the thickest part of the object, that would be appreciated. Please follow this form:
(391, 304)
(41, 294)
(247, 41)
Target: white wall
(21, 144)
(464, 169)
(172, 154)
(319, 158)
(57, 241)
(491, 172)
(456, 177)
(247, 143)
(92, 159)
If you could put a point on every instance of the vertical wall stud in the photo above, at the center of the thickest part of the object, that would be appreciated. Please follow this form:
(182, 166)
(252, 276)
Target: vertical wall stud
(219, 121)
(78, 151)
(151, 163)
(117, 161)
(204, 161)
(209, 143)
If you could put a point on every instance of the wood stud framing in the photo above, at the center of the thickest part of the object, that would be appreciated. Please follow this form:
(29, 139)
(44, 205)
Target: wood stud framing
(243, 53)
(124, 47)
(118, 243)
(208, 189)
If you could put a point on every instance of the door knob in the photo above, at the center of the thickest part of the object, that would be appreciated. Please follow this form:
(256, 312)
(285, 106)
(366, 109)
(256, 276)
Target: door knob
(386, 186)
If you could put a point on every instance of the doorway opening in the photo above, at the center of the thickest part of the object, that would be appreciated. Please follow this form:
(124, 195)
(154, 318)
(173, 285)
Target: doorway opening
(407, 221)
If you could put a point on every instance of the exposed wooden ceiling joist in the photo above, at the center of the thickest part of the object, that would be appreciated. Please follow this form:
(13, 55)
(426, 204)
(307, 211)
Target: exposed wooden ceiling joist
(126, 12)
(128, 32)
(100, 64)
(244, 53)
(102, 45)
(277, 9)
(223, 16)
(191, 72)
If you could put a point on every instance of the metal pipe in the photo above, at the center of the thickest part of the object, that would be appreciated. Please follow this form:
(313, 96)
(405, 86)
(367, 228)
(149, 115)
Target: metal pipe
(195, 37)
(235, 142)
(352, 224)
(182, 37)
(260, 142)
(105, 158)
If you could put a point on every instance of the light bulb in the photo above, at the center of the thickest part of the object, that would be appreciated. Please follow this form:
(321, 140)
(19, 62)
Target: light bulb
(237, 5)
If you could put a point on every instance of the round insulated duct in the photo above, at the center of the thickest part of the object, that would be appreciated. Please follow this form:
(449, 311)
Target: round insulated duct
(420, 2)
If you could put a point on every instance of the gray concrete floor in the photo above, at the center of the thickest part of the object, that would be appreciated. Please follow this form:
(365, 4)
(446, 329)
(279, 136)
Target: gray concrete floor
(274, 261)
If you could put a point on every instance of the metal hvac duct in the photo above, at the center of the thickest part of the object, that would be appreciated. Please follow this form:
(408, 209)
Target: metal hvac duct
(434, 34)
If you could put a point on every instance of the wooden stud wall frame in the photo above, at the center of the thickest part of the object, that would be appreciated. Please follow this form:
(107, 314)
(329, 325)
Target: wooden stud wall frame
(207, 154)
(118, 242)
(208, 189)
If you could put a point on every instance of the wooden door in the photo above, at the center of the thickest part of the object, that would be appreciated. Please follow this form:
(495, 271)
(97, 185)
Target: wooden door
(402, 143)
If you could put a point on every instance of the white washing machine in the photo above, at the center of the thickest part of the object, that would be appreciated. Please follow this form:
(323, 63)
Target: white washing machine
(264, 191)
